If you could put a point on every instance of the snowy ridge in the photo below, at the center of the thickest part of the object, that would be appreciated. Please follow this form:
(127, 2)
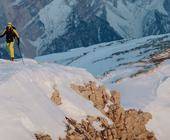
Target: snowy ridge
(25, 93)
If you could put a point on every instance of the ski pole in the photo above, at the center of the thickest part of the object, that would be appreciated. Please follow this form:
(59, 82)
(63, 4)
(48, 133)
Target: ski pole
(20, 54)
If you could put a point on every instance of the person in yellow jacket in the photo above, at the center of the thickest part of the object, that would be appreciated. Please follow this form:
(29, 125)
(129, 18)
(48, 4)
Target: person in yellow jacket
(11, 35)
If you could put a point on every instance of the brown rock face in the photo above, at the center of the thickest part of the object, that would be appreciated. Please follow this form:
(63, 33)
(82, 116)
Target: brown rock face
(56, 97)
(42, 137)
(85, 130)
(123, 124)
(127, 124)
(97, 95)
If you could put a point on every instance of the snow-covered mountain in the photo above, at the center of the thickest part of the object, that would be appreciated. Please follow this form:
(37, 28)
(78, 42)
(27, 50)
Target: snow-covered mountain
(36, 99)
(49, 100)
(42, 99)
(128, 66)
(110, 61)
(115, 61)
(49, 26)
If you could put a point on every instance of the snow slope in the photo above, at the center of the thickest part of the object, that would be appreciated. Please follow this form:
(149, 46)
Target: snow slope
(26, 107)
(25, 92)
(150, 92)
(109, 61)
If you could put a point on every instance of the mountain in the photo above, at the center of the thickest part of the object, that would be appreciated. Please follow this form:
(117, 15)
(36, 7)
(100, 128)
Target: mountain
(133, 67)
(50, 26)
(109, 61)
(50, 101)
(115, 61)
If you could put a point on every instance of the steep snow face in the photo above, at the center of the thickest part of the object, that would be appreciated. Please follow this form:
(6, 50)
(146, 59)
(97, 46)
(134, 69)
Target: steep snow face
(128, 17)
(25, 92)
(54, 17)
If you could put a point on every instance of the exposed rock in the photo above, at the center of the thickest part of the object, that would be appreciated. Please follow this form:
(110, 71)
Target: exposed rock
(158, 58)
(86, 130)
(43, 137)
(90, 91)
(55, 98)
(115, 98)
(127, 124)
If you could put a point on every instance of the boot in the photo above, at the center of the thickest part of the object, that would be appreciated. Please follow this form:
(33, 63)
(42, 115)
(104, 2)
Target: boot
(12, 58)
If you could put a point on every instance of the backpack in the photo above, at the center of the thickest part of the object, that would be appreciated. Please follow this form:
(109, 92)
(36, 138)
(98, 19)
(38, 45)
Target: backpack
(10, 35)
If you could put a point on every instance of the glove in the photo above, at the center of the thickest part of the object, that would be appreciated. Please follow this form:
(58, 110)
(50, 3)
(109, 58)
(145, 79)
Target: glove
(18, 41)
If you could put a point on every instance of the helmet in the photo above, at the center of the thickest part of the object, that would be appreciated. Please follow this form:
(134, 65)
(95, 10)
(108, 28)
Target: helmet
(9, 24)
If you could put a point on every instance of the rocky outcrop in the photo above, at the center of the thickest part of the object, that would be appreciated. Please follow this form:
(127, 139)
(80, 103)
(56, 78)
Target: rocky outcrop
(130, 124)
(126, 124)
(158, 58)
(87, 130)
(55, 98)
(118, 123)
(98, 95)
(43, 137)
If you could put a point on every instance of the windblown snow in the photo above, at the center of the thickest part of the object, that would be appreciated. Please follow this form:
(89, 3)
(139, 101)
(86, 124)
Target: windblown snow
(26, 107)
